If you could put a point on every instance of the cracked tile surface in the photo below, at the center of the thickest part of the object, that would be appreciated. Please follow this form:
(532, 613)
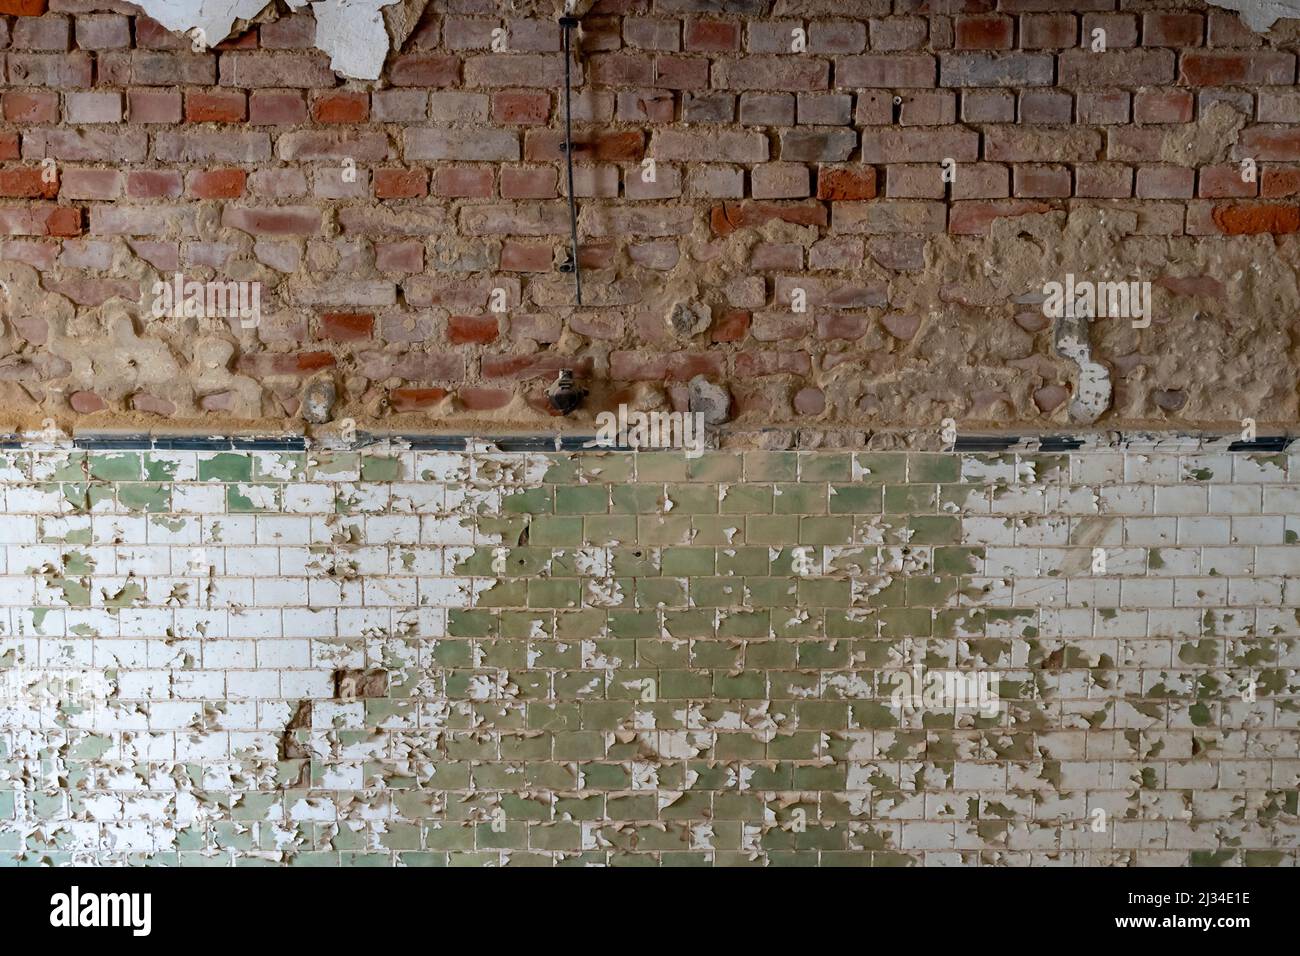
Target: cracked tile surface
(400, 657)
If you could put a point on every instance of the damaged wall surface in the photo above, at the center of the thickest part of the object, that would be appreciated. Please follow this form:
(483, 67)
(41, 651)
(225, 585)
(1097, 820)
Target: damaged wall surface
(847, 220)
(316, 656)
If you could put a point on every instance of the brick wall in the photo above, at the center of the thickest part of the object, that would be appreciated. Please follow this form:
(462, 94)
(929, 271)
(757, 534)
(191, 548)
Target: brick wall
(319, 656)
(380, 217)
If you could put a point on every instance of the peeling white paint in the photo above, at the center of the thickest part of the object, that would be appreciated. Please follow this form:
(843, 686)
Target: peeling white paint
(1259, 15)
(214, 17)
(352, 32)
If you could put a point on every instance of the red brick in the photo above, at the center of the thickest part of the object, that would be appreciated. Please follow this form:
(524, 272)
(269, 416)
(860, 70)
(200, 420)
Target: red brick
(267, 108)
(529, 182)
(1103, 181)
(471, 329)
(1172, 29)
(341, 107)
(712, 36)
(521, 107)
(217, 107)
(1103, 107)
(401, 183)
(86, 403)
(61, 70)
(424, 69)
(23, 8)
(153, 184)
(31, 107)
(521, 367)
(265, 364)
(884, 70)
(103, 32)
(1163, 106)
(399, 256)
(290, 32)
(849, 183)
(27, 183)
(1041, 144)
(414, 399)
(243, 41)
(1226, 29)
(1116, 68)
(94, 107)
(483, 399)
(1165, 182)
(276, 69)
(526, 257)
(914, 181)
(31, 219)
(920, 145)
(680, 72)
(91, 184)
(217, 184)
(1278, 181)
(623, 69)
(346, 326)
(731, 326)
(728, 217)
(984, 32)
(838, 325)
(776, 256)
(1052, 107)
(1041, 182)
(273, 220)
(463, 182)
(51, 33)
(1268, 142)
(1121, 30)
(1249, 219)
(154, 106)
(754, 364)
(984, 181)
(545, 145)
(779, 181)
(1224, 182)
(927, 108)
(973, 218)
(1215, 68)
(1049, 31)
(152, 35)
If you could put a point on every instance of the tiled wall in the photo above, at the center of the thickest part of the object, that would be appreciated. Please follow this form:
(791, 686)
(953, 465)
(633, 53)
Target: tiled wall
(269, 657)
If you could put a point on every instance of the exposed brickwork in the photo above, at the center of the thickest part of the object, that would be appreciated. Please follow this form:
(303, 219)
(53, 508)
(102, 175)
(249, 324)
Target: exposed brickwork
(776, 166)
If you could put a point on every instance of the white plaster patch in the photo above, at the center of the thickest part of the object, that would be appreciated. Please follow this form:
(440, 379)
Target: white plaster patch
(1259, 15)
(352, 32)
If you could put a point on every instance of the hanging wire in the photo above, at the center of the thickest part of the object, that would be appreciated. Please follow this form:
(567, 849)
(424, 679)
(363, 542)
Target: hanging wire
(568, 23)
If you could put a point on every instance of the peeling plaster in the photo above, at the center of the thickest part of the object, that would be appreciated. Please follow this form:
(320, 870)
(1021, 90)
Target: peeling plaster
(214, 17)
(1093, 393)
(1260, 15)
(352, 32)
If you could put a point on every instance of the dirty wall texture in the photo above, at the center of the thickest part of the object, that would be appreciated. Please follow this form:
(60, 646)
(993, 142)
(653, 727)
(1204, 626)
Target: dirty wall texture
(845, 214)
(427, 657)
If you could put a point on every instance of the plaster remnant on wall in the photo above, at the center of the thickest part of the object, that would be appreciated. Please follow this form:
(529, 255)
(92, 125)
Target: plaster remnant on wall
(352, 32)
(1093, 392)
(1260, 15)
(214, 17)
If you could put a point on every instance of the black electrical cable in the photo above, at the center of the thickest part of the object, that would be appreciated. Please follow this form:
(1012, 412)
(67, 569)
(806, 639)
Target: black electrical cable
(568, 23)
